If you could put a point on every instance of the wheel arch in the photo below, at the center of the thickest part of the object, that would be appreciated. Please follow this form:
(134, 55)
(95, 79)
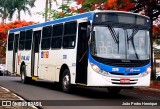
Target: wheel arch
(63, 67)
(23, 63)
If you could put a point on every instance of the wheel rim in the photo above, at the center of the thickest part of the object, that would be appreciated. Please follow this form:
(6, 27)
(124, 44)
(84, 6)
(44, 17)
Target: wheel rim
(22, 75)
(66, 82)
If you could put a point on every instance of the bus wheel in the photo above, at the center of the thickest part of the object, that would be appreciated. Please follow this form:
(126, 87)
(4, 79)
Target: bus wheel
(24, 78)
(66, 82)
(114, 90)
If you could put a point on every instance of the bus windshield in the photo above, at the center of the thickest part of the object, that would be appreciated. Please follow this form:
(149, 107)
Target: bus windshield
(120, 43)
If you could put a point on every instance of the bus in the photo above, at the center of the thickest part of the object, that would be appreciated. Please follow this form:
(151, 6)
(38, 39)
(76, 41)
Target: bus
(99, 48)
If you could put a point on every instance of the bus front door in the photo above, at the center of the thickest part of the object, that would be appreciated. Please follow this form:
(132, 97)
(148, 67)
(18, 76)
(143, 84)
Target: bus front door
(15, 53)
(35, 53)
(82, 62)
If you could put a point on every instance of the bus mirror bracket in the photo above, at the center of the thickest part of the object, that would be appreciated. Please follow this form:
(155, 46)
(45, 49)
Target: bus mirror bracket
(88, 32)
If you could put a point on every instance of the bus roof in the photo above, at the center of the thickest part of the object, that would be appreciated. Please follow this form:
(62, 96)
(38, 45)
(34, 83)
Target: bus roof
(89, 15)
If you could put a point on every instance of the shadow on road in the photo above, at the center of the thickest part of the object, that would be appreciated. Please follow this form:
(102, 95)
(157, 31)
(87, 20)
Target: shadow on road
(89, 92)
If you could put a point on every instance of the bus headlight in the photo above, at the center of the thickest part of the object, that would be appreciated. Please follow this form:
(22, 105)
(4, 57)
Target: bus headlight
(98, 70)
(95, 68)
(149, 69)
(146, 72)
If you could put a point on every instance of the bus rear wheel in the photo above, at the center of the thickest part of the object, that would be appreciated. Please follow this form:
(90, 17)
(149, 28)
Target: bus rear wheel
(24, 78)
(66, 82)
(114, 90)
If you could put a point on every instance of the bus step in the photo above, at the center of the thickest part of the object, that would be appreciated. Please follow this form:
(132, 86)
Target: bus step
(35, 78)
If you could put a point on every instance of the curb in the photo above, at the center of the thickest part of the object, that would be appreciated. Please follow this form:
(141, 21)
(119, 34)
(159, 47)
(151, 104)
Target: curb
(148, 88)
(155, 82)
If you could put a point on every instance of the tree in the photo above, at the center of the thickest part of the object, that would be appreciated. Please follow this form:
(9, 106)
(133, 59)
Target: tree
(46, 10)
(63, 10)
(150, 8)
(9, 7)
(3, 9)
(156, 33)
(89, 5)
(4, 30)
(20, 5)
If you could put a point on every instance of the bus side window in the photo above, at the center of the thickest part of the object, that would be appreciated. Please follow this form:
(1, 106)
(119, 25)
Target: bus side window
(46, 38)
(57, 33)
(69, 37)
(10, 41)
(22, 40)
(28, 39)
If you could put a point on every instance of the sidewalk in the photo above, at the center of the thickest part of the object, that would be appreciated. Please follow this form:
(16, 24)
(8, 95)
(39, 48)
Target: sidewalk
(6, 95)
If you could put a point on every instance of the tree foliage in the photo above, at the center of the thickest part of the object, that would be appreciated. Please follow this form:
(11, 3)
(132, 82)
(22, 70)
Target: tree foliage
(9, 7)
(4, 28)
(62, 10)
(89, 5)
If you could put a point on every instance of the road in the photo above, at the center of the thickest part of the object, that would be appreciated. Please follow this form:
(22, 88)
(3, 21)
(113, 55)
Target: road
(42, 90)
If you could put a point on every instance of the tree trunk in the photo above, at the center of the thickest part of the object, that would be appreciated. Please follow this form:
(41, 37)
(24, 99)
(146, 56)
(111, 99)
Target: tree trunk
(153, 67)
(46, 10)
(4, 16)
(19, 15)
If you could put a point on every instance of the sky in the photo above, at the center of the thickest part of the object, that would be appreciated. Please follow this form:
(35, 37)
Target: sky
(39, 7)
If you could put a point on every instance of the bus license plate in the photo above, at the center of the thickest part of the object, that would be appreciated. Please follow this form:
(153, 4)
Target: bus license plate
(124, 80)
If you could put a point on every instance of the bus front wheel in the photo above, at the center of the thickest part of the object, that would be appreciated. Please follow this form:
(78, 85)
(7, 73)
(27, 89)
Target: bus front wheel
(66, 82)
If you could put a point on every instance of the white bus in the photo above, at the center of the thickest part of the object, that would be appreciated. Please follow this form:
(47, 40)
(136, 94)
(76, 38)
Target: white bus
(105, 48)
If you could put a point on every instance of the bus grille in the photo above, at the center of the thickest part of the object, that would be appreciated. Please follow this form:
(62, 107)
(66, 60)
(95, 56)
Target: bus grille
(113, 73)
(117, 81)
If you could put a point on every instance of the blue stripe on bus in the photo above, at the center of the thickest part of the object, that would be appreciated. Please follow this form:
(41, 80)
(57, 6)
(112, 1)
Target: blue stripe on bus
(115, 69)
(89, 16)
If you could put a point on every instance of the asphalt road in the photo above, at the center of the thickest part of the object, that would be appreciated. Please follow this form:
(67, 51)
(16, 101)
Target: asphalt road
(44, 90)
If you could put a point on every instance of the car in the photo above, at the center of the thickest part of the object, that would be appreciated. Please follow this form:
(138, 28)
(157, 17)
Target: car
(158, 75)
(2, 69)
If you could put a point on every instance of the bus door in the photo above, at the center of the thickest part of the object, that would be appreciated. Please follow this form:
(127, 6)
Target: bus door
(35, 53)
(82, 61)
(15, 53)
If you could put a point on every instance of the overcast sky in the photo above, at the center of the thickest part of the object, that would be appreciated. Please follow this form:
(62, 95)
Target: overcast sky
(39, 7)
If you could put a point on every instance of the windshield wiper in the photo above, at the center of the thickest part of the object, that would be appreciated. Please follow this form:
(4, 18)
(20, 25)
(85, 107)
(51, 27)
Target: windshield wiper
(133, 34)
(114, 35)
(131, 38)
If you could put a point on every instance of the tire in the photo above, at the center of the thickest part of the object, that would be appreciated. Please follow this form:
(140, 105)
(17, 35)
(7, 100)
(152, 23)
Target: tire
(1, 74)
(114, 90)
(66, 81)
(24, 78)
(158, 78)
